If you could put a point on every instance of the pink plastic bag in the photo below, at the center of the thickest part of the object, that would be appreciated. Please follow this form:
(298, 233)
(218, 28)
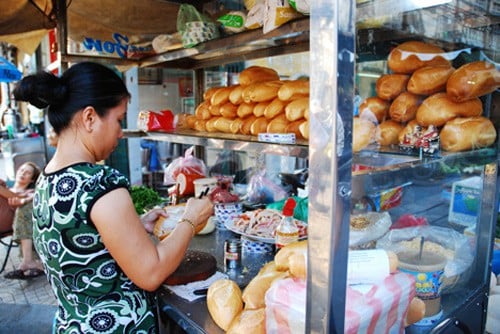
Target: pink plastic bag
(188, 165)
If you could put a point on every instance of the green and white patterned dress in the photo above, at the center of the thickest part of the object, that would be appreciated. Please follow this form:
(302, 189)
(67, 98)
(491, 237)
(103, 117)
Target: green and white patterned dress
(94, 294)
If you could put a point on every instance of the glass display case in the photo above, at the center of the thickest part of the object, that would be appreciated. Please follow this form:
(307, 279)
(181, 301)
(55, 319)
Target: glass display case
(439, 200)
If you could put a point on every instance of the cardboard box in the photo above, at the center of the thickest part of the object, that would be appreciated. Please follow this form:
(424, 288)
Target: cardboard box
(465, 201)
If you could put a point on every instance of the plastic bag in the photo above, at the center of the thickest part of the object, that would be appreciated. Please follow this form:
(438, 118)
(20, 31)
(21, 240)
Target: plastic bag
(187, 165)
(445, 241)
(155, 120)
(194, 27)
(263, 191)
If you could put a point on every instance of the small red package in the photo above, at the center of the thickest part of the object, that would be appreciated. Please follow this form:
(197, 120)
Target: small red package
(149, 120)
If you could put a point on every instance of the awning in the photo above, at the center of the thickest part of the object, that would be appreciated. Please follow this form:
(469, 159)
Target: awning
(24, 23)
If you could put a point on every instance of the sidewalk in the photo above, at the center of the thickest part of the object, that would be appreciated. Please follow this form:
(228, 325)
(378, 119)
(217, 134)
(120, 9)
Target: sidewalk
(26, 306)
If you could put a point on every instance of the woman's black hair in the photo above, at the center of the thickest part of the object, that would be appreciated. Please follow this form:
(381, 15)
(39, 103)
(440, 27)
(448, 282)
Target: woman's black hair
(82, 85)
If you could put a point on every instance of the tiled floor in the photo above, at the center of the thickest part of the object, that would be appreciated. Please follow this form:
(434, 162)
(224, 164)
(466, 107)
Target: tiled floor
(26, 306)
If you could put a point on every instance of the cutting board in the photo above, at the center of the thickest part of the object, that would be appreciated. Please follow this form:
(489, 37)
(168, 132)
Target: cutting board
(196, 266)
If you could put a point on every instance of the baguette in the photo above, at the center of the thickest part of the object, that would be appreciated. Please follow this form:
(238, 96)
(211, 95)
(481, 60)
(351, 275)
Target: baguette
(462, 134)
(214, 110)
(260, 108)
(228, 110)
(363, 133)
(203, 111)
(236, 125)
(293, 89)
(224, 302)
(389, 86)
(282, 258)
(235, 96)
(429, 80)
(190, 120)
(473, 80)
(249, 321)
(412, 55)
(296, 109)
(207, 95)
(259, 126)
(223, 124)
(220, 96)
(200, 125)
(261, 91)
(255, 74)
(304, 129)
(274, 108)
(294, 127)
(387, 132)
(253, 294)
(210, 124)
(374, 108)
(404, 107)
(438, 109)
(277, 124)
(245, 109)
(246, 126)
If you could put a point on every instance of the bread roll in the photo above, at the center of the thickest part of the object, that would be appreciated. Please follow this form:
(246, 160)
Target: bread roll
(374, 108)
(274, 108)
(293, 89)
(260, 108)
(259, 126)
(416, 311)
(236, 125)
(249, 321)
(207, 95)
(223, 124)
(282, 258)
(387, 132)
(254, 293)
(210, 124)
(298, 266)
(245, 128)
(200, 125)
(214, 110)
(202, 111)
(412, 55)
(220, 96)
(228, 110)
(296, 109)
(473, 80)
(277, 124)
(429, 80)
(389, 86)
(363, 133)
(190, 120)
(462, 134)
(304, 129)
(261, 91)
(245, 109)
(437, 109)
(235, 96)
(224, 302)
(404, 107)
(254, 74)
(294, 127)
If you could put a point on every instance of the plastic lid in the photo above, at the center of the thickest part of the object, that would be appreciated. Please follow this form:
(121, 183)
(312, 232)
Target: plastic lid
(289, 207)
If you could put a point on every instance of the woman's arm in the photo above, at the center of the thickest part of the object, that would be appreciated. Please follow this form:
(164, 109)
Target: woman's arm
(147, 264)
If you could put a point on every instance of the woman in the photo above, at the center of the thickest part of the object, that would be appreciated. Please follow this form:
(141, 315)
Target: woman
(22, 226)
(96, 250)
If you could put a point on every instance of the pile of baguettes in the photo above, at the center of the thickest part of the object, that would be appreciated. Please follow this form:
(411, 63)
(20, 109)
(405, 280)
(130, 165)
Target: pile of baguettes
(424, 89)
(260, 103)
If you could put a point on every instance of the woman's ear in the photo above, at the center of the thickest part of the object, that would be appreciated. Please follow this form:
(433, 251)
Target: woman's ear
(89, 117)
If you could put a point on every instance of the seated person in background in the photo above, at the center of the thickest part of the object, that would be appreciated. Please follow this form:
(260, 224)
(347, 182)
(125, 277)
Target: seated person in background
(23, 187)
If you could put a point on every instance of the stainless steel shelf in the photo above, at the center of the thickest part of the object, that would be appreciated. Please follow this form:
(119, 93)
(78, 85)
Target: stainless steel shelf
(224, 141)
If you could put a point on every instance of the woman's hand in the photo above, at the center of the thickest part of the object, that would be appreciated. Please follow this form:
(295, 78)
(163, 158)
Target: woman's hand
(149, 218)
(16, 202)
(198, 210)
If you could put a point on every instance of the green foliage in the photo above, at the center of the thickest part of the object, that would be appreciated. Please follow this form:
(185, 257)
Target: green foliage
(144, 198)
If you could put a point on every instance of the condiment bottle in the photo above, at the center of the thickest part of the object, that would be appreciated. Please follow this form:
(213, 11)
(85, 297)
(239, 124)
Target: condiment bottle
(287, 231)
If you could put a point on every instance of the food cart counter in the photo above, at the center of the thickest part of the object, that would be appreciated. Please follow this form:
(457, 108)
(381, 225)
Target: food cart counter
(178, 315)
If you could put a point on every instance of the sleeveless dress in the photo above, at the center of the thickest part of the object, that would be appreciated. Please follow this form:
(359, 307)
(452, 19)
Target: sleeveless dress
(93, 293)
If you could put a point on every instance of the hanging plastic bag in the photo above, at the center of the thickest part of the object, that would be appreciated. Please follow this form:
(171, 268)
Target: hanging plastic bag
(194, 27)
(187, 165)
(262, 190)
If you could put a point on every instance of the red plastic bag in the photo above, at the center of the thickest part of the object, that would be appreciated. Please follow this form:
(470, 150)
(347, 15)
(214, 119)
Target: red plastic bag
(149, 120)
(189, 166)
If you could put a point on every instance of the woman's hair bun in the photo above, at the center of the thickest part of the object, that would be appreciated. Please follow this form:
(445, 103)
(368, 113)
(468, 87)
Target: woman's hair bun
(41, 90)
